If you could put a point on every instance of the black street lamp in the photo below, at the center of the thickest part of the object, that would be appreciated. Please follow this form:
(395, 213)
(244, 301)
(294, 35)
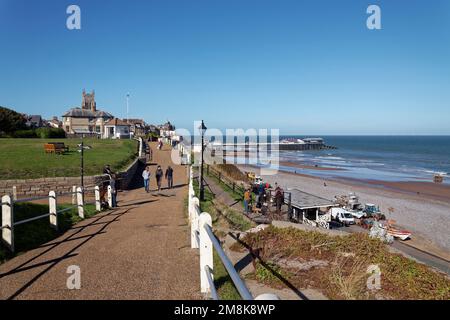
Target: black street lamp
(202, 187)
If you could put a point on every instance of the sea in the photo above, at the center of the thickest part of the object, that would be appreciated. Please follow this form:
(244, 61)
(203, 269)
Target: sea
(384, 158)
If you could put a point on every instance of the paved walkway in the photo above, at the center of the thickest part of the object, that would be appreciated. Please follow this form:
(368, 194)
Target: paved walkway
(140, 250)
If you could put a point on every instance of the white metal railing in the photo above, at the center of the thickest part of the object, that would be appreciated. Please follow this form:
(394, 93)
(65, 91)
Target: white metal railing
(203, 238)
(7, 203)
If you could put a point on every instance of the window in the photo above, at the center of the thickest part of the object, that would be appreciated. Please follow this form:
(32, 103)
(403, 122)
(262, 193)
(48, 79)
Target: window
(97, 129)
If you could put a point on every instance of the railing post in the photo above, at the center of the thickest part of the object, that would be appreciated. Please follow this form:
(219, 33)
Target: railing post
(14, 192)
(74, 195)
(8, 222)
(110, 197)
(80, 202)
(194, 223)
(98, 204)
(206, 252)
(52, 204)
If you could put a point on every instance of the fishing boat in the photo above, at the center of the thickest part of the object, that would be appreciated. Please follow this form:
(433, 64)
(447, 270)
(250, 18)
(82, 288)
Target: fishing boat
(397, 233)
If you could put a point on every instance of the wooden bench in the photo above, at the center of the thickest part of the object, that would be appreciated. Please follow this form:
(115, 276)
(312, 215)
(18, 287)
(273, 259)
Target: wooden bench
(60, 145)
(54, 148)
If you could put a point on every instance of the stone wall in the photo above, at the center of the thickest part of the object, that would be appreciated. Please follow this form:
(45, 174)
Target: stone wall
(40, 187)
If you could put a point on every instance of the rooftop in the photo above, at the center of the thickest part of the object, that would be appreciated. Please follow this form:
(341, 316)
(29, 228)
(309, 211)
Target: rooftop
(84, 113)
(304, 200)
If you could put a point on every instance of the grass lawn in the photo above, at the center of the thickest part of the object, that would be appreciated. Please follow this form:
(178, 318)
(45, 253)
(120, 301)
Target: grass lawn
(26, 159)
(31, 235)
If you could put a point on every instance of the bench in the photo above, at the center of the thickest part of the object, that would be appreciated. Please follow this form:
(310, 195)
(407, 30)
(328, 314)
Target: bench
(56, 148)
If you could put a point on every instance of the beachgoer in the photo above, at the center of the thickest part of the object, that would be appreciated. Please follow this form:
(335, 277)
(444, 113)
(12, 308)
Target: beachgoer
(279, 198)
(146, 176)
(169, 177)
(247, 199)
(261, 191)
(158, 175)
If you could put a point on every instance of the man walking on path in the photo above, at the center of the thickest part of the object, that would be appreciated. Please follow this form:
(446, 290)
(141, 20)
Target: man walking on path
(169, 177)
(158, 175)
(146, 176)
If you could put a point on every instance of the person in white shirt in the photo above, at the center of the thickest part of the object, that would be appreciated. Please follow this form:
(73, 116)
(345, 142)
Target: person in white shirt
(146, 176)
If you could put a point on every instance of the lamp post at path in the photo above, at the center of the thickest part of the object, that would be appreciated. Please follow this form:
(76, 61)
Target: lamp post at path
(202, 186)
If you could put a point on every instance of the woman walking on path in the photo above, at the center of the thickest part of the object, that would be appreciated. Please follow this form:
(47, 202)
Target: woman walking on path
(146, 176)
(169, 177)
(158, 175)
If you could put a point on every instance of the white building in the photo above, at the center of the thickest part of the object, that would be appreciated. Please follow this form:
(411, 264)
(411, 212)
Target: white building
(116, 129)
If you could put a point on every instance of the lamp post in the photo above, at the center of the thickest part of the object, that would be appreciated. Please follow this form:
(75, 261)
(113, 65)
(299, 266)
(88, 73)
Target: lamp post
(202, 187)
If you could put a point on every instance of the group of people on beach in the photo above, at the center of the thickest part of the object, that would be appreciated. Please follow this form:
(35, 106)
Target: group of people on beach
(260, 191)
(159, 173)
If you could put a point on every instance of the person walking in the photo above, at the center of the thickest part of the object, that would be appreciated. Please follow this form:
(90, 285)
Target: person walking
(169, 177)
(158, 175)
(146, 176)
(247, 199)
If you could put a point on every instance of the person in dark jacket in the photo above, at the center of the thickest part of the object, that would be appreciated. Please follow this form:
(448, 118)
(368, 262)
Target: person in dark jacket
(158, 175)
(169, 177)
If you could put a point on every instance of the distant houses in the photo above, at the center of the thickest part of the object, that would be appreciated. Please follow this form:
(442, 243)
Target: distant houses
(89, 121)
(86, 120)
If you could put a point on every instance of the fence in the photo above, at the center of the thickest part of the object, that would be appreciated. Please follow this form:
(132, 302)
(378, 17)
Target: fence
(203, 238)
(239, 188)
(78, 201)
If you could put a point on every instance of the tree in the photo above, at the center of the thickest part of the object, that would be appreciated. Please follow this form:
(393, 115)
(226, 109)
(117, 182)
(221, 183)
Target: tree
(11, 121)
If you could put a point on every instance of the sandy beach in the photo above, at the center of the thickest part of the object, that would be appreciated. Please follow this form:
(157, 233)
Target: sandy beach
(423, 208)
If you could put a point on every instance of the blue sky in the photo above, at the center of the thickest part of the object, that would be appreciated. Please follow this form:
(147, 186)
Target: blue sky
(305, 67)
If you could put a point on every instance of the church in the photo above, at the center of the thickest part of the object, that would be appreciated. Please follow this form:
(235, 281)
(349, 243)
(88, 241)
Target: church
(87, 120)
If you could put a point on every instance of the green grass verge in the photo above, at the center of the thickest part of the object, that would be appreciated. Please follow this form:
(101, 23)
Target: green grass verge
(26, 159)
(33, 234)
(224, 285)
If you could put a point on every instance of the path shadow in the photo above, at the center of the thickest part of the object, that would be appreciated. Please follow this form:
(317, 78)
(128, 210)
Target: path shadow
(53, 262)
(254, 254)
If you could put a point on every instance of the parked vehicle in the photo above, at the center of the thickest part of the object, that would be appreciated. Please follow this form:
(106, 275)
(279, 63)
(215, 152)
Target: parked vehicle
(343, 216)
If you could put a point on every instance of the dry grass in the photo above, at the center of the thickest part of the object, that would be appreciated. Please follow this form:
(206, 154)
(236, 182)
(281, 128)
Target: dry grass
(344, 275)
(231, 171)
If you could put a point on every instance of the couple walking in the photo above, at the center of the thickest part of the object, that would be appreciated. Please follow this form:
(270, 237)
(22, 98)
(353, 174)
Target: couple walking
(158, 175)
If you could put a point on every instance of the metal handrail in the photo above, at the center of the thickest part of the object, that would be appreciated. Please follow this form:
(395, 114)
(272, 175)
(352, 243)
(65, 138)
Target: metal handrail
(214, 294)
(30, 199)
(31, 219)
(67, 209)
(240, 286)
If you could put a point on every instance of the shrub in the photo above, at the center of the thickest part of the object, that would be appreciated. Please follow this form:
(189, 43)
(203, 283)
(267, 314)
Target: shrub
(24, 134)
(49, 133)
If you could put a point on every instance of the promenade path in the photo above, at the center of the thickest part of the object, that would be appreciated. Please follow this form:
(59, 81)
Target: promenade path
(141, 250)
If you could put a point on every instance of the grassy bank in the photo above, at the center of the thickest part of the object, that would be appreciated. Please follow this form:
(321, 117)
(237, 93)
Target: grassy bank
(26, 159)
(338, 266)
(33, 234)
(220, 216)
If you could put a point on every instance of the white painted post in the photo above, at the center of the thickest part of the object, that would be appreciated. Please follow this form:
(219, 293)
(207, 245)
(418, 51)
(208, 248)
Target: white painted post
(8, 222)
(52, 204)
(110, 197)
(14, 188)
(80, 202)
(206, 252)
(194, 223)
(267, 296)
(141, 145)
(98, 204)
(74, 195)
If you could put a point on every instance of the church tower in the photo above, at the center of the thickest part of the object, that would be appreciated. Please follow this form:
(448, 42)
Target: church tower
(88, 102)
